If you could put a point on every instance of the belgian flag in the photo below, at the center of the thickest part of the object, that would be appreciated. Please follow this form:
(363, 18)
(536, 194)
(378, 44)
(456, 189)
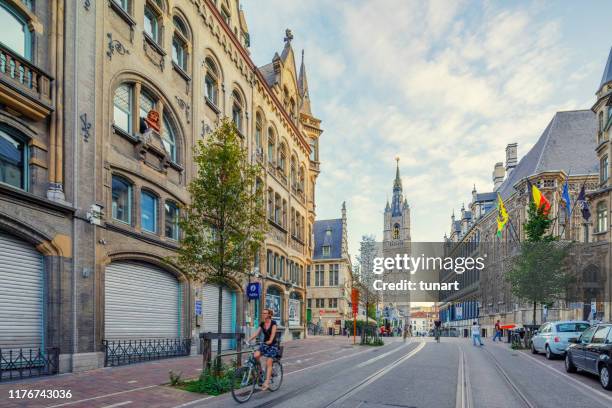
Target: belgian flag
(539, 199)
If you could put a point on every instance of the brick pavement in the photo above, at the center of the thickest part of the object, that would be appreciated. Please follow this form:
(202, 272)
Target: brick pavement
(141, 385)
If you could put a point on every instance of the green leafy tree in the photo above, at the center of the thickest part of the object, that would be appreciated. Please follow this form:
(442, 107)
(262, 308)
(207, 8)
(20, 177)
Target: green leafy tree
(224, 224)
(537, 274)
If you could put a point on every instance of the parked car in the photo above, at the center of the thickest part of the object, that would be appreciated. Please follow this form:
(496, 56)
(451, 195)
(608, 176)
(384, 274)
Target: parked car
(592, 352)
(552, 337)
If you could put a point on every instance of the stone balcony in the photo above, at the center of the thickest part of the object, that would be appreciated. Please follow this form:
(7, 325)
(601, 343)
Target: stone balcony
(24, 87)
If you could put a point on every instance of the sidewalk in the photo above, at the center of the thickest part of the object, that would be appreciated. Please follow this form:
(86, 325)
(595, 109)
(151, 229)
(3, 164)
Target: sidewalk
(136, 385)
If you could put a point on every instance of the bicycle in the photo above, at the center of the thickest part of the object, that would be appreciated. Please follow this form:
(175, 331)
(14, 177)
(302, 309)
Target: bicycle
(251, 375)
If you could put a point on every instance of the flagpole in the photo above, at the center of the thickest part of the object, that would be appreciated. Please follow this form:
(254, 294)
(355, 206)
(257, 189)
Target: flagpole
(576, 201)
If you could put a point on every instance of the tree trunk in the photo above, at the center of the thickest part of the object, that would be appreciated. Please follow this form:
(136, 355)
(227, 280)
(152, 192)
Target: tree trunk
(219, 323)
(534, 312)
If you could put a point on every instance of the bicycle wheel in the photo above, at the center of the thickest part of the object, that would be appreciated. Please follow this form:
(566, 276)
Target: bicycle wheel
(243, 384)
(277, 376)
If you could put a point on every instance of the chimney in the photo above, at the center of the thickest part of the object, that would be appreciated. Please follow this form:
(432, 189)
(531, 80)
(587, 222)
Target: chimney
(498, 175)
(511, 158)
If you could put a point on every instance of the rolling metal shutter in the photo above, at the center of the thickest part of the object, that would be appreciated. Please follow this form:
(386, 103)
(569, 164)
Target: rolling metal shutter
(21, 294)
(210, 306)
(141, 302)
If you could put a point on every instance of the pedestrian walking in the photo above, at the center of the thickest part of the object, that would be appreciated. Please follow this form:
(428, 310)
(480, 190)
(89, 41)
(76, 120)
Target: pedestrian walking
(476, 334)
(498, 331)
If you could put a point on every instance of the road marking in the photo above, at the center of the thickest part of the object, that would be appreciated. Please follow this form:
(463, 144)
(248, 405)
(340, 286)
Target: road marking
(370, 361)
(314, 352)
(568, 377)
(373, 377)
(103, 396)
(132, 381)
(464, 389)
(328, 362)
(120, 404)
(186, 404)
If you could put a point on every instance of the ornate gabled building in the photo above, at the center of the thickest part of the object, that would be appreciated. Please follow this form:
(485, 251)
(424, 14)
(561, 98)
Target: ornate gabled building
(101, 105)
(564, 151)
(330, 282)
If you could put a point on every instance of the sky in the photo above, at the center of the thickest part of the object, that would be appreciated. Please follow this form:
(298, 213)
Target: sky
(444, 85)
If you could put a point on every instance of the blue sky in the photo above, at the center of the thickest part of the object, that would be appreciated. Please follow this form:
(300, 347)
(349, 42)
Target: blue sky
(444, 85)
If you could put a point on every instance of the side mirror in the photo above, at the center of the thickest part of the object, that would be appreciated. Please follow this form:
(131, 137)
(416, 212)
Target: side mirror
(573, 340)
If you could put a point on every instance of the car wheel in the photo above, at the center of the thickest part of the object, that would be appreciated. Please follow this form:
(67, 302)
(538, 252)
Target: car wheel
(569, 365)
(604, 377)
(549, 354)
(533, 349)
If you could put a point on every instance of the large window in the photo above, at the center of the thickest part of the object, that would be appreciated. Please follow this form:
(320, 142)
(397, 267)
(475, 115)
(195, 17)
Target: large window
(258, 130)
(122, 200)
(602, 217)
(125, 111)
(13, 159)
(179, 43)
(334, 274)
(271, 145)
(282, 158)
(151, 23)
(319, 275)
(122, 113)
(237, 110)
(308, 275)
(211, 81)
(124, 4)
(14, 31)
(603, 169)
(168, 138)
(172, 220)
(148, 212)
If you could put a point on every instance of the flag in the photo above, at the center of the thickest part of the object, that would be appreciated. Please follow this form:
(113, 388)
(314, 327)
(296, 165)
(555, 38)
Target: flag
(584, 206)
(566, 197)
(540, 200)
(502, 215)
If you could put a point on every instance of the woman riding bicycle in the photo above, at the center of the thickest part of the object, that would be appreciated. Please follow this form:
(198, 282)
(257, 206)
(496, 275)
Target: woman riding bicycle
(269, 347)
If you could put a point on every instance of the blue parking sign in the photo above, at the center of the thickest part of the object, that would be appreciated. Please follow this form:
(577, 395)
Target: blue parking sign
(198, 308)
(253, 290)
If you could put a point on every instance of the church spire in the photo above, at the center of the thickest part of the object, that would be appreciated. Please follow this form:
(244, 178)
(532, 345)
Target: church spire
(397, 184)
(303, 88)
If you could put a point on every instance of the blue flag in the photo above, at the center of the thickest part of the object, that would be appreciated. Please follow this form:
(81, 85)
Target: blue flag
(566, 197)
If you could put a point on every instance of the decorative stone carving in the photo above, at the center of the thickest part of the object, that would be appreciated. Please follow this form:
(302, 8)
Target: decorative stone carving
(115, 46)
(185, 107)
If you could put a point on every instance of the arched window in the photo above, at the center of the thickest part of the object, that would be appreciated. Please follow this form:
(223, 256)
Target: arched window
(152, 20)
(301, 180)
(258, 130)
(271, 146)
(282, 158)
(172, 214)
(293, 173)
(148, 211)
(602, 217)
(179, 43)
(13, 158)
(122, 199)
(168, 138)
(396, 231)
(125, 113)
(14, 32)
(292, 110)
(237, 110)
(211, 81)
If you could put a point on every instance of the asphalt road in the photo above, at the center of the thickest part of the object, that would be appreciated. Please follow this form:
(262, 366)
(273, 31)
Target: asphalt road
(425, 374)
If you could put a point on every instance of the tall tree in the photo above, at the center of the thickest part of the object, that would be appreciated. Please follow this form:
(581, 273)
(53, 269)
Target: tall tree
(224, 224)
(537, 274)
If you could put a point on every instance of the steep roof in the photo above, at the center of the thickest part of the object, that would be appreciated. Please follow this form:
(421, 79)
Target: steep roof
(268, 73)
(333, 239)
(568, 144)
(607, 74)
(486, 196)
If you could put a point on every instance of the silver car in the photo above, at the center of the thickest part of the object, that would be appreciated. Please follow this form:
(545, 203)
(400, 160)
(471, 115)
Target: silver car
(552, 337)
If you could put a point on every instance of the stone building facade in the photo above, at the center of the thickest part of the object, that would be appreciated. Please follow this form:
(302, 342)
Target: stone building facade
(91, 193)
(564, 151)
(330, 279)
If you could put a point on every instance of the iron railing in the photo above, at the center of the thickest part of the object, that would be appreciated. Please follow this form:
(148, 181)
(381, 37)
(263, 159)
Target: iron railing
(122, 352)
(28, 362)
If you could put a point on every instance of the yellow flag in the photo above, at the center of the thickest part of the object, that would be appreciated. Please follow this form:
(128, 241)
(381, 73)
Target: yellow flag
(502, 215)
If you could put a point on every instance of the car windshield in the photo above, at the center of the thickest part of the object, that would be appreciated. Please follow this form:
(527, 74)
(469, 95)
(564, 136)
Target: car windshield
(572, 327)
